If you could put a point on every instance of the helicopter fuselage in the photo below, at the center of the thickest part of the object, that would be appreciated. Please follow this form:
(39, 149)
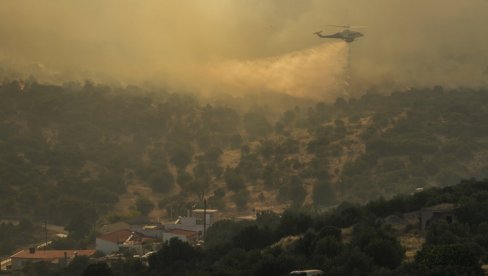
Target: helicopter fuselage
(346, 35)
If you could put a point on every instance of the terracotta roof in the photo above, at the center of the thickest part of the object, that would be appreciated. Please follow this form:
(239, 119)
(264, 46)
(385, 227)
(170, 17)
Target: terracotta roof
(116, 236)
(182, 232)
(51, 254)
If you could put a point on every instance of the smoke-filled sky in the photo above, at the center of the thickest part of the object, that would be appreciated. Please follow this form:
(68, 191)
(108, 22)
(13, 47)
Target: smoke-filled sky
(241, 45)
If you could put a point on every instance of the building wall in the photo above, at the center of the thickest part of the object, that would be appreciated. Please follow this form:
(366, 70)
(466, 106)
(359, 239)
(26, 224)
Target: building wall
(428, 217)
(425, 216)
(153, 233)
(137, 248)
(17, 263)
(106, 247)
(195, 228)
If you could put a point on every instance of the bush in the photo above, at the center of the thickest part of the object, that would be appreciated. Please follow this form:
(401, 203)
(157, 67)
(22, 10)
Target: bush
(144, 206)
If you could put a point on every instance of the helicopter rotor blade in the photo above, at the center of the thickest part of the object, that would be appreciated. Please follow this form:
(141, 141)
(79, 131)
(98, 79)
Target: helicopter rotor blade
(347, 26)
(340, 26)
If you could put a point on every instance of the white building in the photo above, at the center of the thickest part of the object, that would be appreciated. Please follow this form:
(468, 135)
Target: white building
(210, 216)
(150, 230)
(195, 222)
(185, 223)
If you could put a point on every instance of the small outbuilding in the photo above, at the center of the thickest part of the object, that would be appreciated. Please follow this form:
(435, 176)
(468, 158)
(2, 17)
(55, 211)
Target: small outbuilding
(439, 212)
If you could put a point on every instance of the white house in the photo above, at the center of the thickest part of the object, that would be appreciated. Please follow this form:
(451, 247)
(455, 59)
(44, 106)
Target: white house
(195, 222)
(210, 216)
(185, 223)
(152, 230)
(109, 242)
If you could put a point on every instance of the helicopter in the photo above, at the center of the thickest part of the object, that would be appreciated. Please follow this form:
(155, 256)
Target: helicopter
(347, 35)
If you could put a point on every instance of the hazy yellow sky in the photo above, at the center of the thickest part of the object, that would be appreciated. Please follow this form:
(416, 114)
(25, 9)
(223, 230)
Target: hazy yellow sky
(184, 43)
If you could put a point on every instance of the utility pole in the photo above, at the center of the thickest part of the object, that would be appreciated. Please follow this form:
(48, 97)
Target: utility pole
(204, 216)
(347, 73)
(45, 234)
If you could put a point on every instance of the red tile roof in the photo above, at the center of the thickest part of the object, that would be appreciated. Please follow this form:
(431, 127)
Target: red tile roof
(116, 236)
(51, 254)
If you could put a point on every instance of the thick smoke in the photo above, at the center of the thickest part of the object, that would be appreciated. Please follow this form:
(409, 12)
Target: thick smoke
(318, 72)
(246, 45)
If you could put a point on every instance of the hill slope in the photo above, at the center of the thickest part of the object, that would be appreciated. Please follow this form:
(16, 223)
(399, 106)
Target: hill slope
(83, 148)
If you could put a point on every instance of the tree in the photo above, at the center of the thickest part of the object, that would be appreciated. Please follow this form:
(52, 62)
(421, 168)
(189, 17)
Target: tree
(453, 259)
(37, 269)
(273, 265)
(378, 244)
(385, 252)
(161, 181)
(256, 124)
(323, 194)
(97, 269)
(173, 257)
(240, 199)
(293, 223)
(213, 154)
(78, 227)
(233, 179)
(328, 246)
(181, 156)
(76, 266)
(129, 267)
(293, 190)
(144, 205)
(251, 237)
(235, 141)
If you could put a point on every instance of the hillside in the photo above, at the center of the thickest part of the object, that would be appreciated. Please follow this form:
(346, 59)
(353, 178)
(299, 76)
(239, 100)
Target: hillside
(108, 152)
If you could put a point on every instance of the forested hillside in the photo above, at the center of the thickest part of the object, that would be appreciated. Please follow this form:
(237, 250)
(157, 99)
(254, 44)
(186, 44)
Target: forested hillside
(81, 148)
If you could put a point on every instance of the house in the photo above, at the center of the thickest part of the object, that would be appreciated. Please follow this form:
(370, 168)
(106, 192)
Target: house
(184, 235)
(124, 239)
(143, 226)
(443, 211)
(205, 216)
(152, 230)
(185, 223)
(112, 227)
(109, 242)
(195, 222)
(57, 257)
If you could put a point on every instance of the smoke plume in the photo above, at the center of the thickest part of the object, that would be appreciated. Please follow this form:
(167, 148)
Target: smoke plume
(245, 45)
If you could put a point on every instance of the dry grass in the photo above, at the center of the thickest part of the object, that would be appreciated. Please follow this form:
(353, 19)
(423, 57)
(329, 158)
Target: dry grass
(230, 158)
(412, 244)
(135, 189)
